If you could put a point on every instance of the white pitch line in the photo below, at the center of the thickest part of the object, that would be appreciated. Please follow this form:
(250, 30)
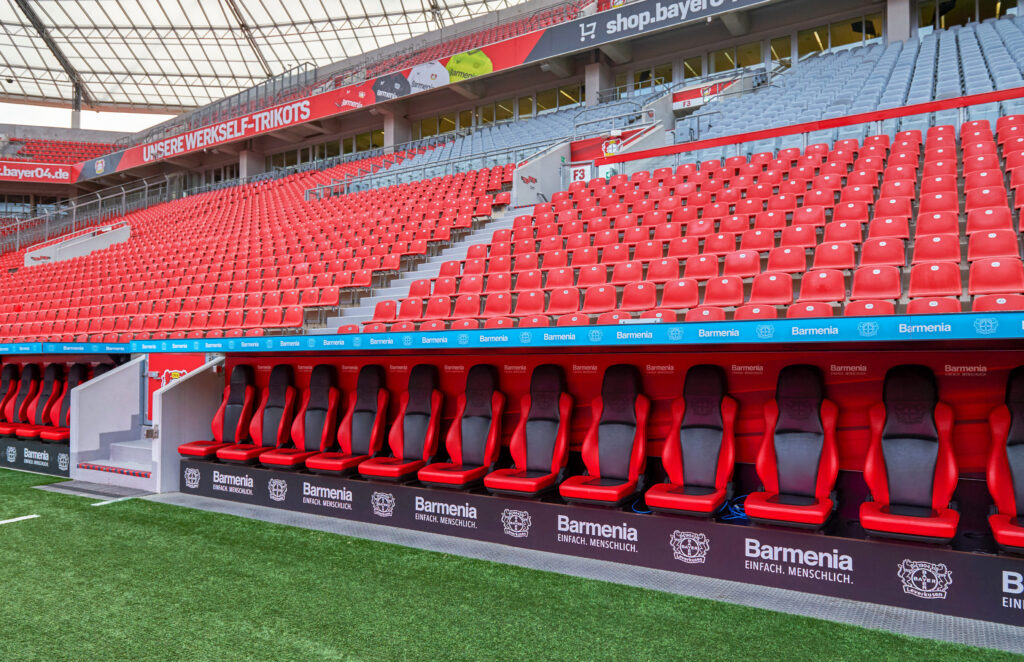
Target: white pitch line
(18, 519)
(103, 503)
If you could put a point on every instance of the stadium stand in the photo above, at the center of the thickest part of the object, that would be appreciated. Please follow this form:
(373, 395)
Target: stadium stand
(57, 151)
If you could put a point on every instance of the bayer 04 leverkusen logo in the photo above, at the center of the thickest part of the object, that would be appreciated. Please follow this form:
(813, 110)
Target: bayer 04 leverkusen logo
(383, 504)
(516, 523)
(689, 547)
(925, 580)
(192, 478)
(277, 489)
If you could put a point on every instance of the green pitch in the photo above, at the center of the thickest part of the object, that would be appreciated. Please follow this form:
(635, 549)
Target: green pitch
(137, 580)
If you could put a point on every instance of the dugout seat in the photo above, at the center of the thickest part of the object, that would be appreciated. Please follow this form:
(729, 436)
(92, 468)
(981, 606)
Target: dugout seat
(9, 382)
(315, 422)
(614, 450)
(271, 424)
(38, 416)
(60, 413)
(1006, 466)
(361, 432)
(414, 434)
(910, 468)
(230, 424)
(540, 442)
(699, 450)
(474, 438)
(798, 462)
(16, 411)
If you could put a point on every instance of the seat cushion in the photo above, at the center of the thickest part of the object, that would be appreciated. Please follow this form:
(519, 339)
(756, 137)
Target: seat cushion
(389, 467)
(668, 496)
(338, 463)
(203, 449)
(876, 518)
(769, 507)
(55, 434)
(241, 453)
(285, 458)
(1007, 532)
(30, 431)
(9, 428)
(601, 490)
(519, 480)
(445, 473)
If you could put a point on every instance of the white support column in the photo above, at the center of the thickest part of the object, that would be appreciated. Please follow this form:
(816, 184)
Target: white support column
(597, 77)
(898, 20)
(251, 163)
(397, 129)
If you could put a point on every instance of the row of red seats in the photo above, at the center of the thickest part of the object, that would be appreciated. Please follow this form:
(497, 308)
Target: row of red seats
(39, 407)
(910, 468)
(60, 151)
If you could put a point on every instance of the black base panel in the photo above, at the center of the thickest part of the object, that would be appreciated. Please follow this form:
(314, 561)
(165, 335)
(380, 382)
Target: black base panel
(52, 458)
(929, 578)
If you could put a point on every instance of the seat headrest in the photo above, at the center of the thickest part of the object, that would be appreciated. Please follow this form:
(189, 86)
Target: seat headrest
(546, 387)
(7, 375)
(320, 383)
(481, 383)
(910, 395)
(703, 390)
(1015, 403)
(619, 390)
(422, 384)
(53, 372)
(799, 393)
(241, 376)
(30, 373)
(368, 385)
(77, 374)
(280, 380)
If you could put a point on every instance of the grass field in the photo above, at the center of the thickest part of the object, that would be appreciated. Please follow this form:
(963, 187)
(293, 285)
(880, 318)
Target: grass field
(147, 581)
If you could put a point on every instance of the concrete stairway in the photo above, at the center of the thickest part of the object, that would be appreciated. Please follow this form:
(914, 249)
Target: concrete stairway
(399, 288)
(130, 465)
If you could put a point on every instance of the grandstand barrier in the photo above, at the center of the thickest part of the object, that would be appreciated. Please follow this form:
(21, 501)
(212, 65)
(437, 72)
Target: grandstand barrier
(966, 578)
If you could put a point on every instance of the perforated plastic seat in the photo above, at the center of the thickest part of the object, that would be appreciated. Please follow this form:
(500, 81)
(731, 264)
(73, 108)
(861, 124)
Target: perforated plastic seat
(910, 468)
(614, 449)
(699, 449)
(474, 438)
(271, 424)
(414, 433)
(798, 461)
(230, 424)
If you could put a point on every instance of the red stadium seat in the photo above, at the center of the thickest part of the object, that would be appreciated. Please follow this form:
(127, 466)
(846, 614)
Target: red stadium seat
(614, 449)
(230, 424)
(699, 449)
(910, 468)
(940, 279)
(37, 415)
(798, 461)
(271, 424)
(825, 285)
(414, 433)
(1004, 466)
(939, 306)
(315, 422)
(474, 437)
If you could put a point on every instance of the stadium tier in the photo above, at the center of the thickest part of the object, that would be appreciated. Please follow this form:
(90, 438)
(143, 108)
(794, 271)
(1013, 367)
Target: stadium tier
(924, 223)
(185, 272)
(972, 59)
(57, 151)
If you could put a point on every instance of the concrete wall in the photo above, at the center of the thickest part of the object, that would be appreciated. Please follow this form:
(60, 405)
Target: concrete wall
(107, 409)
(182, 412)
(78, 246)
(540, 177)
(60, 133)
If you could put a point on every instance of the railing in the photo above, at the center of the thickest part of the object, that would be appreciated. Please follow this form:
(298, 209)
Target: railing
(919, 116)
(102, 228)
(84, 211)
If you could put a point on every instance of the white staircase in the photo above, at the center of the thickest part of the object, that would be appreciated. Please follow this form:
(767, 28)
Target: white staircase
(130, 464)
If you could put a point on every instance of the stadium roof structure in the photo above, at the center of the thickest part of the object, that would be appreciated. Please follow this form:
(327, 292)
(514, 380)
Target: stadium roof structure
(175, 55)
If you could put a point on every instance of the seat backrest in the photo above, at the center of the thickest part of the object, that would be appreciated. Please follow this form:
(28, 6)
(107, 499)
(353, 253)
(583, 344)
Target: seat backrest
(1015, 436)
(418, 410)
(28, 384)
(317, 411)
(8, 386)
(481, 385)
(77, 374)
(49, 390)
(366, 409)
(700, 433)
(616, 430)
(799, 434)
(543, 421)
(239, 389)
(277, 408)
(910, 439)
